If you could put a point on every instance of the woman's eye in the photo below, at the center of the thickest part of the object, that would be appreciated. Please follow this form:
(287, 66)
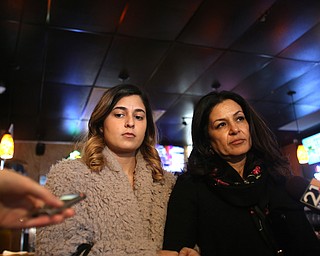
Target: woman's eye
(241, 118)
(139, 117)
(118, 115)
(220, 125)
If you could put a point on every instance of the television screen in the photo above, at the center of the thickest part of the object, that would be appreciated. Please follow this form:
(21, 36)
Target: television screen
(312, 144)
(172, 157)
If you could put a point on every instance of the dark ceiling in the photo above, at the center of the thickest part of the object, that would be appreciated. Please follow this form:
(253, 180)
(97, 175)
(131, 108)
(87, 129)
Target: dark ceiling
(58, 56)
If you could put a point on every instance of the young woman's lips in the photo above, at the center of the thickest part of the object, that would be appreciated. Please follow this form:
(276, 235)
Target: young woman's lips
(129, 135)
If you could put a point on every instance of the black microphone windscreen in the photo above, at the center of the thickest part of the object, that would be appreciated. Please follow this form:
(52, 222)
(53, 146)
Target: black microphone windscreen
(296, 186)
(307, 192)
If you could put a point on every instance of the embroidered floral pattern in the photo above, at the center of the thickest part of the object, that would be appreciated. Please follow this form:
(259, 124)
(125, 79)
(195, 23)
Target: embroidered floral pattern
(256, 171)
(254, 175)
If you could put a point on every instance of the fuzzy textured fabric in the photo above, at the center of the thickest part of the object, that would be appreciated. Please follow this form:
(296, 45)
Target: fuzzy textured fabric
(115, 218)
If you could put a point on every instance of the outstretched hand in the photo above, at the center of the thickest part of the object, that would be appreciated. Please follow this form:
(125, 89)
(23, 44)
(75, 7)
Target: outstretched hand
(183, 252)
(20, 195)
(188, 252)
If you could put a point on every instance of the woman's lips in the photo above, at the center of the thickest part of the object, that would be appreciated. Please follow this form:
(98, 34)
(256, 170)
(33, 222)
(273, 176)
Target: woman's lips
(237, 142)
(129, 135)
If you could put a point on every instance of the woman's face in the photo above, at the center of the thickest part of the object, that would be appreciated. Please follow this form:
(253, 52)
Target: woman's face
(229, 130)
(125, 127)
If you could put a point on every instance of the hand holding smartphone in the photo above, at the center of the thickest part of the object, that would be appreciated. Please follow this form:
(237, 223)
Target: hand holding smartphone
(69, 200)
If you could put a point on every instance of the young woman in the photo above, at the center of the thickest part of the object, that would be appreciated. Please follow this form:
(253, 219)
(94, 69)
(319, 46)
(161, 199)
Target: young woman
(232, 199)
(121, 174)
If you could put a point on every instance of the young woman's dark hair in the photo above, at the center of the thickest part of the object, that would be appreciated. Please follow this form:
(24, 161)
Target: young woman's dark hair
(264, 143)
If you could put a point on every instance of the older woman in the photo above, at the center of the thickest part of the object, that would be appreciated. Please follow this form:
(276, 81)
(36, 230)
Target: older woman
(232, 199)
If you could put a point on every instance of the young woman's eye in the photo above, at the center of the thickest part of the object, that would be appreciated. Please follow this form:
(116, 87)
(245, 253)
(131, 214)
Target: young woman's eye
(118, 115)
(138, 117)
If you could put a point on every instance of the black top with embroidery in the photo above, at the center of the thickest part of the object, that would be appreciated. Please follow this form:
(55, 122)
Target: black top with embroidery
(227, 215)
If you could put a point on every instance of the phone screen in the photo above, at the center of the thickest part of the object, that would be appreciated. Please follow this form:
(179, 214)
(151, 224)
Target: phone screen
(71, 199)
(68, 199)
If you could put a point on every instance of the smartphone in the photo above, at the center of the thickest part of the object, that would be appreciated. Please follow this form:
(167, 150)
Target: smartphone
(68, 199)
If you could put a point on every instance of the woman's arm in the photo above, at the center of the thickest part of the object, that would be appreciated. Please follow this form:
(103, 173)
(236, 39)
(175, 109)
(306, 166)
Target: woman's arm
(181, 224)
(64, 178)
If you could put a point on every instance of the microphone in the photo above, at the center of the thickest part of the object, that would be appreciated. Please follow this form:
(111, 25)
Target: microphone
(307, 192)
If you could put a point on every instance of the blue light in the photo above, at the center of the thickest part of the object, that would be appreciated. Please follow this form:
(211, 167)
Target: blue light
(72, 127)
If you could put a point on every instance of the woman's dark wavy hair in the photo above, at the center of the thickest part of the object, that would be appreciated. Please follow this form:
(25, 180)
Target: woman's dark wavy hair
(264, 143)
(94, 143)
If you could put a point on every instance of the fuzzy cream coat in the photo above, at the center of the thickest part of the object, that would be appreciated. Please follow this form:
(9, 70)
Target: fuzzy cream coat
(117, 219)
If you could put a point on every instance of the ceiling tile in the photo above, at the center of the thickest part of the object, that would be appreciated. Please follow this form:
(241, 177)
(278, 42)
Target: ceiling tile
(74, 58)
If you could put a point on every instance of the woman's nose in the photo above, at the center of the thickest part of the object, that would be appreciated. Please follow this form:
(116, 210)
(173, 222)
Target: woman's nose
(234, 129)
(129, 122)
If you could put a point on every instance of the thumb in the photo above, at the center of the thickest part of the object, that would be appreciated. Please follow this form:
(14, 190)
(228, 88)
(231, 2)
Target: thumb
(185, 251)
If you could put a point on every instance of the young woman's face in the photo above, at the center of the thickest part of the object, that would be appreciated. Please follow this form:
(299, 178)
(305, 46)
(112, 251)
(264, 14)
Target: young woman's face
(125, 127)
(229, 130)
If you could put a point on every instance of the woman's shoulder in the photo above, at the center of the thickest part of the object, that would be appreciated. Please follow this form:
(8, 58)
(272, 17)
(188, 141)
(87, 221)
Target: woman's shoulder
(68, 164)
(169, 178)
(65, 171)
(190, 182)
(188, 177)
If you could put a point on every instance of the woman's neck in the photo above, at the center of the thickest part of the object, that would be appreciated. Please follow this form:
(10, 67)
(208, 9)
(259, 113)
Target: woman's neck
(238, 164)
(128, 164)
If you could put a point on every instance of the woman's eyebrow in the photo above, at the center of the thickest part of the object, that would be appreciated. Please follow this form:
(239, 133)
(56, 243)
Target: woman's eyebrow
(238, 112)
(223, 118)
(140, 110)
(119, 107)
(124, 109)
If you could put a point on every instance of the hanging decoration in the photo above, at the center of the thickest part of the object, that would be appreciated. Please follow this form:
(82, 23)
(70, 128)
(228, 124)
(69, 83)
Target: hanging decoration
(6, 146)
(302, 154)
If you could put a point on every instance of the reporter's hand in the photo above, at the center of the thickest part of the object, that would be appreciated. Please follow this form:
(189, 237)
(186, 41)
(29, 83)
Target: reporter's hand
(183, 252)
(20, 195)
(188, 252)
(167, 253)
